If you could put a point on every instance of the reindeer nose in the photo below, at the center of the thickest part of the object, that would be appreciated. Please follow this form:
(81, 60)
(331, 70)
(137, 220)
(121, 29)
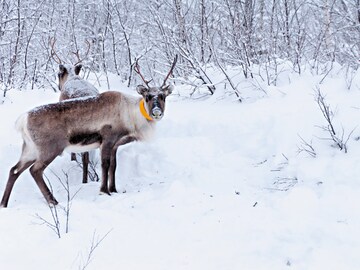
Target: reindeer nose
(156, 113)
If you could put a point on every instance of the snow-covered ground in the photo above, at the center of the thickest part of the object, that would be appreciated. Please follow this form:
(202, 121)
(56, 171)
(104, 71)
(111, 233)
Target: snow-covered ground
(221, 186)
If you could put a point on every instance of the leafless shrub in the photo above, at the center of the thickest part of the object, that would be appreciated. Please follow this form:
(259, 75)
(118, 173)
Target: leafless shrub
(222, 68)
(55, 224)
(340, 140)
(69, 198)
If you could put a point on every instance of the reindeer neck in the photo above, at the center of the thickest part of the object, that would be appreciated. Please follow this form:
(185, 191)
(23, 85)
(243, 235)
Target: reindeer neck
(143, 110)
(143, 125)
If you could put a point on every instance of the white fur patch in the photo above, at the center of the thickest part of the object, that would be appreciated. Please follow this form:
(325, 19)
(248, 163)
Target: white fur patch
(78, 148)
(30, 151)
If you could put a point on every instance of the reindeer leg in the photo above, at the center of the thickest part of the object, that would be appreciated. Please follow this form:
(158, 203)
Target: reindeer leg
(124, 140)
(37, 171)
(112, 169)
(14, 173)
(73, 157)
(105, 152)
(85, 161)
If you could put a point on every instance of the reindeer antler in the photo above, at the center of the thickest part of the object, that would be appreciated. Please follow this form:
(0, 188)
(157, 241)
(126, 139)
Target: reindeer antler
(137, 70)
(77, 54)
(171, 70)
(53, 53)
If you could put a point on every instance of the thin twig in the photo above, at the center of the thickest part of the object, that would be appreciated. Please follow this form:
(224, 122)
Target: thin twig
(94, 245)
(306, 147)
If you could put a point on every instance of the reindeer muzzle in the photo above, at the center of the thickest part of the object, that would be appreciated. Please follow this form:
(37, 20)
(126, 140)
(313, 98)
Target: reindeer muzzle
(156, 113)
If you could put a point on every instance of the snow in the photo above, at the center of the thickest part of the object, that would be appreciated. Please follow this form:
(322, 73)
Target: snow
(75, 86)
(221, 186)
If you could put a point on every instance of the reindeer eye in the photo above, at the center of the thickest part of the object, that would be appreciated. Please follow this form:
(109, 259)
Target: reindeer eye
(149, 97)
(162, 96)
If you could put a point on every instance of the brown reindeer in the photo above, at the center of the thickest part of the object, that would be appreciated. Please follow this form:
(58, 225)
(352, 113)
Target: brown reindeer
(71, 85)
(105, 121)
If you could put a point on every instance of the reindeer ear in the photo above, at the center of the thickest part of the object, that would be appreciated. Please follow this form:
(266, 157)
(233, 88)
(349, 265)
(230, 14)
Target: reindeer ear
(62, 69)
(168, 89)
(142, 90)
(77, 69)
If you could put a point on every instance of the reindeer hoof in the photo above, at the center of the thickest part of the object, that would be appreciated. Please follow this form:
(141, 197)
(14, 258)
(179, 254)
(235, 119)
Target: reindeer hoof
(53, 202)
(73, 157)
(104, 191)
(113, 190)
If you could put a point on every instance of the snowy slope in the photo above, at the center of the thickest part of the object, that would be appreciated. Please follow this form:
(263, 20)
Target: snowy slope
(221, 186)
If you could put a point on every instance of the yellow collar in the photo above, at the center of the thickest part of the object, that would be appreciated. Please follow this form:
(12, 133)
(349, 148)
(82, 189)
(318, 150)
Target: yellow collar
(143, 110)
